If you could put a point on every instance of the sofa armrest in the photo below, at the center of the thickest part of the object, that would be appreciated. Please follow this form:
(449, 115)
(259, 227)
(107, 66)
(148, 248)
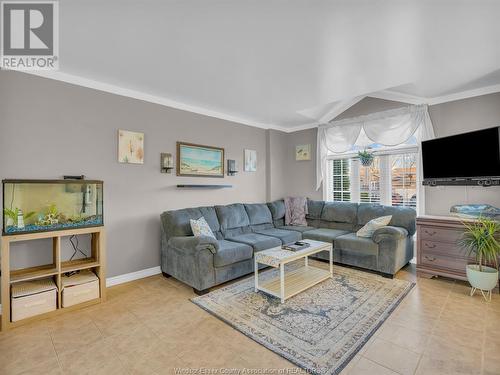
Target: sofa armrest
(193, 244)
(389, 232)
(190, 259)
(395, 248)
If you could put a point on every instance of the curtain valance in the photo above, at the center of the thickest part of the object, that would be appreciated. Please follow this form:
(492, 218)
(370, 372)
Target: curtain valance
(389, 128)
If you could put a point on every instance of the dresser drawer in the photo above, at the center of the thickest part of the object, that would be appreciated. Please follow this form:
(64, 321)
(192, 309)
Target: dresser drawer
(444, 262)
(440, 234)
(442, 248)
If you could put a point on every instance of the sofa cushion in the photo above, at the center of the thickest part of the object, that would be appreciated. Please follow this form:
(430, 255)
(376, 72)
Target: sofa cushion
(340, 212)
(314, 209)
(296, 228)
(277, 209)
(232, 216)
(323, 234)
(177, 223)
(257, 241)
(404, 217)
(352, 243)
(260, 216)
(286, 236)
(258, 213)
(211, 217)
(230, 252)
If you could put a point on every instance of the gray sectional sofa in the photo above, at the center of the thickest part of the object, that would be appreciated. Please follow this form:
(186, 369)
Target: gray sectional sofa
(243, 229)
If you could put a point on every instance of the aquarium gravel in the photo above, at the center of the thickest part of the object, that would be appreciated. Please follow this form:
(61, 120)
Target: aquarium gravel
(34, 227)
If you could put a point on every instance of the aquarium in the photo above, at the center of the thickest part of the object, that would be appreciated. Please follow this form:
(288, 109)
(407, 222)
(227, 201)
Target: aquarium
(45, 205)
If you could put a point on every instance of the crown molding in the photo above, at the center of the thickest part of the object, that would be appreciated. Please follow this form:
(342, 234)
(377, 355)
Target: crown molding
(464, 95)
(398, 97)
(336, 110)
(135, 94)
(412, 99)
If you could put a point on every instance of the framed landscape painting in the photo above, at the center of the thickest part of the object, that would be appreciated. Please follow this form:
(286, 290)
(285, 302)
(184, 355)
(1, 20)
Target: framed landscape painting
(199, 161)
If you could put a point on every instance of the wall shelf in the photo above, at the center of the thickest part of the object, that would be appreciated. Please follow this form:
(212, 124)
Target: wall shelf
(96, 261)
(194, 186)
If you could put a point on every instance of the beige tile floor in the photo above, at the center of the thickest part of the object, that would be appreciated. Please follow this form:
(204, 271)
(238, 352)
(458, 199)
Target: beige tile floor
(150, 327)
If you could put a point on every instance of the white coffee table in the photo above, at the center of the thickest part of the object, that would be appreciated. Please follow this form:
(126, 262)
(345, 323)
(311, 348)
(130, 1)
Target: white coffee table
(292, 282)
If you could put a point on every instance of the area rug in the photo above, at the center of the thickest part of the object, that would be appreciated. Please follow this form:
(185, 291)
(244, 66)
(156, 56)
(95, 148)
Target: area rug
(320, 329)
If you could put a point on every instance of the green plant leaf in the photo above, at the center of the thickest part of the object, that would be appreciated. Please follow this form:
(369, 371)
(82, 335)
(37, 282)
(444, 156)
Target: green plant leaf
(480, 239)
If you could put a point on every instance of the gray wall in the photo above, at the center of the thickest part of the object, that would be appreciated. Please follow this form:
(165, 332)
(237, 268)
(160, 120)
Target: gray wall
(277, 175)
(304, 171)
(459, 117)
(48, 129)
(448, 118)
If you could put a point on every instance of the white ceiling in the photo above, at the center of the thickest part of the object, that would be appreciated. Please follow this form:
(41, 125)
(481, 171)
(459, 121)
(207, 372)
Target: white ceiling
(276, 63)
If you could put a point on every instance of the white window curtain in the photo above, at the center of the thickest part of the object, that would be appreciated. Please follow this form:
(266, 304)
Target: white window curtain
(388, 128)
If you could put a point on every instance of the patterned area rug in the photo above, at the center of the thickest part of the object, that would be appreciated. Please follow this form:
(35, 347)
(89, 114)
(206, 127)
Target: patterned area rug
(320, 329)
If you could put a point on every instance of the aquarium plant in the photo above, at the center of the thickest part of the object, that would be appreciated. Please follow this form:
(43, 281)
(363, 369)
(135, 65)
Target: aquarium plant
(13, 214)
(51, 216)
(366, 157)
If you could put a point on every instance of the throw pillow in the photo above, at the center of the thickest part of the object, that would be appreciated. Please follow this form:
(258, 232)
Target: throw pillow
(200, 227)
(295, 211)
(373, 225)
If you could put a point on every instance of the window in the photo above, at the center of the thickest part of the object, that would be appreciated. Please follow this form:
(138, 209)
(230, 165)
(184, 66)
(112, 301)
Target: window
(339, 180)
(404, 179)
(369, 182)
(390, 180)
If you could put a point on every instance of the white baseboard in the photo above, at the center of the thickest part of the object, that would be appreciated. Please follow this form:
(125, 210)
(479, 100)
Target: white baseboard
(125, 278)
(120, 279)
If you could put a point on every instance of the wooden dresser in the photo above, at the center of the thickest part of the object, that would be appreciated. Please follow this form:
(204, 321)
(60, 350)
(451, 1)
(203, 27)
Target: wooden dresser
(437, 251)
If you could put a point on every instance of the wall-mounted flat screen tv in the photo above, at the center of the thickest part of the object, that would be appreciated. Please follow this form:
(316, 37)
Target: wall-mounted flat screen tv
(469, 155)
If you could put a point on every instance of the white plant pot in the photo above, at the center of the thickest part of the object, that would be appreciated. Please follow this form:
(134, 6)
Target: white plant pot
(486, 279)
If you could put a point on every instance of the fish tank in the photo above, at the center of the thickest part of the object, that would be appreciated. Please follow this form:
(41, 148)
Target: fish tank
(47, 205)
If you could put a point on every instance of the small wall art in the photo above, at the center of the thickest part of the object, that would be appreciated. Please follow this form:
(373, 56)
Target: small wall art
(130, 147)
(303, 152)
(250, 164)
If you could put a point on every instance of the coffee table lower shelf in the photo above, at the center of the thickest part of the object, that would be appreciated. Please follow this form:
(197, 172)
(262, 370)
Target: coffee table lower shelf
(295, 281)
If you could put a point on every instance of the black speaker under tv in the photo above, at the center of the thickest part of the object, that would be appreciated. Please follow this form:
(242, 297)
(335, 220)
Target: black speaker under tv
(464, 159)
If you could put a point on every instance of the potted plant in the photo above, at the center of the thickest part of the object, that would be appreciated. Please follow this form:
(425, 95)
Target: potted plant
(12, 216)
(366, 157)
(481, 240)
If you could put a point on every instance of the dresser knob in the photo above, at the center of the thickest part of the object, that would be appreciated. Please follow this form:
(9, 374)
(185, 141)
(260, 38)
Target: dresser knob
(430, 233)
(432, 259)
(430, 246)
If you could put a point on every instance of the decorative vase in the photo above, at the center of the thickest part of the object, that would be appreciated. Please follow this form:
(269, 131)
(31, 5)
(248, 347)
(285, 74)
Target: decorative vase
(484, 280)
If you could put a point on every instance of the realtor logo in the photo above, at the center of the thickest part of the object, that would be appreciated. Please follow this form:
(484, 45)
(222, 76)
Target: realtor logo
(29, 35)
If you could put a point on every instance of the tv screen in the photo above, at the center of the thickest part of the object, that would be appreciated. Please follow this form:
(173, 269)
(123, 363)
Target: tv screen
(469, 155)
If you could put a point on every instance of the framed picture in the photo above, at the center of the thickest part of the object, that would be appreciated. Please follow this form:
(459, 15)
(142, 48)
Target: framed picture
(250, 164)
(130, 147)
(199, 161)
(303, 152)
